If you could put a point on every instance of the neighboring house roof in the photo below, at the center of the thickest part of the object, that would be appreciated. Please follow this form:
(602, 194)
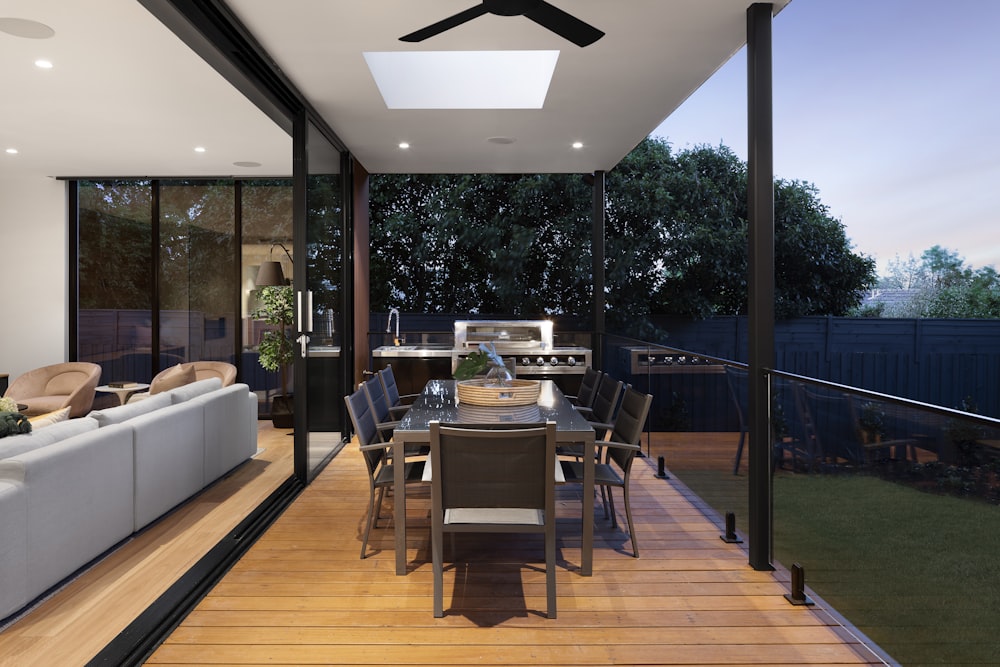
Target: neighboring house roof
(889, 297)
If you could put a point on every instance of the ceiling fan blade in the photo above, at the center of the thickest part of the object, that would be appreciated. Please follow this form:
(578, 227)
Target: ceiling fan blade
(563, 24)
(446, 24)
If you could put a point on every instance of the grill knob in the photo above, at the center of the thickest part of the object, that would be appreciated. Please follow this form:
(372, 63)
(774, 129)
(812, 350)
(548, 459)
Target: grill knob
(525, 361)
(539, 361)
(554, 361)
(571, 361)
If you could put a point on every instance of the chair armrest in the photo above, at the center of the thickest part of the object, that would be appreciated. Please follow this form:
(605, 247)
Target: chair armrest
(374, 445)
(585, 411)
(601, 426)
(617, 445)
(397, 411)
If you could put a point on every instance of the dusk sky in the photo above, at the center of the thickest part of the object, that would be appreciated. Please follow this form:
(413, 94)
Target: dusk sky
(891, 108)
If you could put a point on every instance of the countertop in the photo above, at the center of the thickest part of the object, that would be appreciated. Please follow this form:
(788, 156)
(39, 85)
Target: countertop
(425, 351)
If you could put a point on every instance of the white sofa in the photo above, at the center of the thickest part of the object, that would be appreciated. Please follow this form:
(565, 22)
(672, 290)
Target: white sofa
(72, 490)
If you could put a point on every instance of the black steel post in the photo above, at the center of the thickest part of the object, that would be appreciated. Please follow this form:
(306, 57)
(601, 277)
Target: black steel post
(597, 264)
(760, 194)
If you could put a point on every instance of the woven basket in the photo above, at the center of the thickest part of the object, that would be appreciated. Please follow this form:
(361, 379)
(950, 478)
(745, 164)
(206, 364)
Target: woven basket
(520, 392)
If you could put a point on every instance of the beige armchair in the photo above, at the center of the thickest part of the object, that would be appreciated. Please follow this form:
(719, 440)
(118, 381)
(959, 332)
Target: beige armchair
(54, 387)
(181, 374)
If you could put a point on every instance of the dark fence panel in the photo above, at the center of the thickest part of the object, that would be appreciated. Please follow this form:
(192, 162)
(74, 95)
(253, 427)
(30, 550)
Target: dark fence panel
(951, 363)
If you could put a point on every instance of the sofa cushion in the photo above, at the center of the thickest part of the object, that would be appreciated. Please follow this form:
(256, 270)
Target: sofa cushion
(189, 391)
(13, 547)
(169, 455)
(49, 418)
(79, 500)
(19, 444)
(121, 413)
(174, 377)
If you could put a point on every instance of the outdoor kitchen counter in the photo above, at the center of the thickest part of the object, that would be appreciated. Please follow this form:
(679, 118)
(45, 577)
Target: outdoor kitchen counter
(427, 351)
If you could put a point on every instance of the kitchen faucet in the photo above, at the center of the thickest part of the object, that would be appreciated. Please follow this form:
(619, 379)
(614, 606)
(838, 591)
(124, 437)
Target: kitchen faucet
(388, 325)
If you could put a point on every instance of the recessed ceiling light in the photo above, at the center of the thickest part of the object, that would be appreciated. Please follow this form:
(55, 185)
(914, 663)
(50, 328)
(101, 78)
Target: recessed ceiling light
(246, 163)
(25, 28)
(12, 151)
(577, 144)
(501, 140)
(43, 64)
(404, 145)
(462, 79)
(199, 149)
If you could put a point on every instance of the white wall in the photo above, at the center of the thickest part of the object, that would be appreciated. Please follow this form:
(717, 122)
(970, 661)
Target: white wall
(34, 250)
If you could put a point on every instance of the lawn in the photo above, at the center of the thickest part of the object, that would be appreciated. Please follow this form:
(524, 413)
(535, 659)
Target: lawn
(918, 573)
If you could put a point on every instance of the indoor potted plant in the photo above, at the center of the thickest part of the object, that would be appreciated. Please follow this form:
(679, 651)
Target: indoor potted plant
(276, 350)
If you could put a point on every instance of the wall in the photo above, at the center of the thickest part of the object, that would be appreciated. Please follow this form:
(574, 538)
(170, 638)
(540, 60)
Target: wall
(34, 299)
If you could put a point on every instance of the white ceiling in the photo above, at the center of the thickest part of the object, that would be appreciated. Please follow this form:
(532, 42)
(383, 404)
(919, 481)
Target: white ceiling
(127, 98)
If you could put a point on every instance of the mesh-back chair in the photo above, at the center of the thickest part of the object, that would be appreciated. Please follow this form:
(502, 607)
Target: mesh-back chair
(375, 454)
(493, 479)
(619, 452)
(398, 405)
(602, 417)
(584, 399)
(379, 406)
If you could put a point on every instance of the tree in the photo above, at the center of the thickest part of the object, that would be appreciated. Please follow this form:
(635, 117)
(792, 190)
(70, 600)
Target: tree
(675, 242)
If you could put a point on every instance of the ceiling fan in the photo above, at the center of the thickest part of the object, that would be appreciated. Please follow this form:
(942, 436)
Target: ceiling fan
(539, 11)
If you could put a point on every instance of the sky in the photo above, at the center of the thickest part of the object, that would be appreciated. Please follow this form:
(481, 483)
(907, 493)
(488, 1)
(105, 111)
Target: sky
(891, 108)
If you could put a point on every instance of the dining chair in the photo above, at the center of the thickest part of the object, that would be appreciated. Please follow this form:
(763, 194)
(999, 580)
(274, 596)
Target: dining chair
(375, 453)
(384, 421)
(619, 452)
(584, 399)
(602, 417)
(398, 404)
(497, 478)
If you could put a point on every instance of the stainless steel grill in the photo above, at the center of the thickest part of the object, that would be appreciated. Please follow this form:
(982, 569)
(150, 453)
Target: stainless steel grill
(525, 345)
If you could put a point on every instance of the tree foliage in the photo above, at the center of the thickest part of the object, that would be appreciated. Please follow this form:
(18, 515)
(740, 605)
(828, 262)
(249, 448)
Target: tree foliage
(944, 287)
(675, 242)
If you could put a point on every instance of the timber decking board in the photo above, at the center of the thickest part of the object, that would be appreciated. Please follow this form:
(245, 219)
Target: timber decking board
(301, 595)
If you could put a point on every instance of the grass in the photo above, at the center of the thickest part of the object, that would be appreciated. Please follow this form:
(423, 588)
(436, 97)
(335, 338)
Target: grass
(917, 573)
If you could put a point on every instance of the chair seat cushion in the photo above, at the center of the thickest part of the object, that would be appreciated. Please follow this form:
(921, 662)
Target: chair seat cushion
(497, 515)
(603, 473)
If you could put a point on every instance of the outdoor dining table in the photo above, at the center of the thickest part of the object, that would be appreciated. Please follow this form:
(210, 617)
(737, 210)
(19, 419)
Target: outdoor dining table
(438, 402)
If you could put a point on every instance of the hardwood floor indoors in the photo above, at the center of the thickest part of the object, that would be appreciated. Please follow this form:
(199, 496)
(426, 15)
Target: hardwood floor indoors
(302, 596)
(75, 622)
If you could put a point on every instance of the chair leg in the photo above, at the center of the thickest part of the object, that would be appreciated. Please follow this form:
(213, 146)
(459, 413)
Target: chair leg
(372, 517)
(611, 503)
(739, 452)
(550, 574)
(436, 558)
(628, 517)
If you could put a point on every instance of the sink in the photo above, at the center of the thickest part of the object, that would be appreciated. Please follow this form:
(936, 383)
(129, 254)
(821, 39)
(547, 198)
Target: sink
(400, 347)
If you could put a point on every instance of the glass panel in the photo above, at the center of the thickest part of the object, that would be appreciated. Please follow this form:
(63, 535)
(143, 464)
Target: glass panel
(324, 279)
(893, 520)
(267, 236)
(116, 279)
(197, 272)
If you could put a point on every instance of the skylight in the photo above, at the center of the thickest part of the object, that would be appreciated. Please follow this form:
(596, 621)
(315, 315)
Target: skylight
(462, 79)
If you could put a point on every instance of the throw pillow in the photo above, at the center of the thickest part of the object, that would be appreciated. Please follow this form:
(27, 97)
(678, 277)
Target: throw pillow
(49, 418)
(13, 423)
(178, 376)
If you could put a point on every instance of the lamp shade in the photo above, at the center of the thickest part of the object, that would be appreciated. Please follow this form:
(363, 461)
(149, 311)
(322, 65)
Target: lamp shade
(270, 274)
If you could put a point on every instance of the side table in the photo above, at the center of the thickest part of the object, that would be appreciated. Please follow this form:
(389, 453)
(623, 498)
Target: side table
(123, 392)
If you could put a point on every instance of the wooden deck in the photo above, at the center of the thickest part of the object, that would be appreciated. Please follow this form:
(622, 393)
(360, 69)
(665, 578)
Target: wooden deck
(302, 596)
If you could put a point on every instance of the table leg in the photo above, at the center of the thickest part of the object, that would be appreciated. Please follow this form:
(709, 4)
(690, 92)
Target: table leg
(587, 548)
(399, 505)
